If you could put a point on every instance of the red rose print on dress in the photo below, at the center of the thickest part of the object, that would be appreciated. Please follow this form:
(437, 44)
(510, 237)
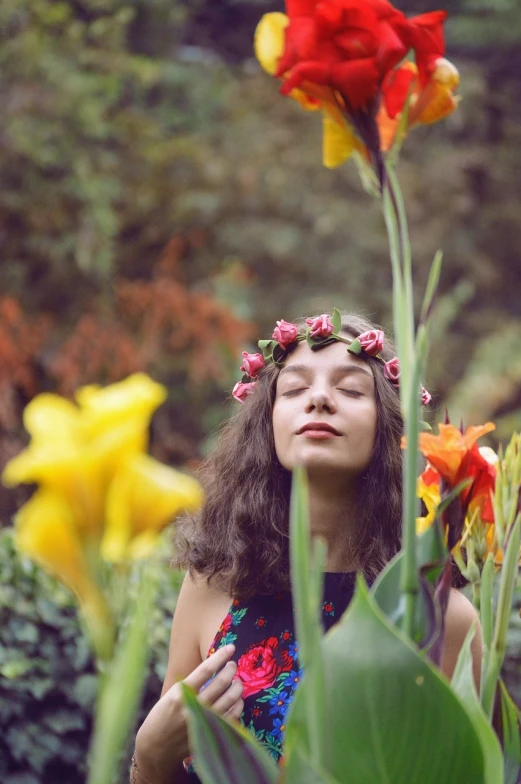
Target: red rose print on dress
(260, 665)
(225, 625)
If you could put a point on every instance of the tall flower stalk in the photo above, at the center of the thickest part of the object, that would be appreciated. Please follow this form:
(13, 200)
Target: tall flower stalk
(349, 60)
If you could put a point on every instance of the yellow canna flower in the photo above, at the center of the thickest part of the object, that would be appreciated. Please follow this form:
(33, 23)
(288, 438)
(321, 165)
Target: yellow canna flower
(76, 451)
(429, 492)
(45, 532)
(143, 497)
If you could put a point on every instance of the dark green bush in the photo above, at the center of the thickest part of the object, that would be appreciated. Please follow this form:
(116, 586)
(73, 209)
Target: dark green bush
(48, 680)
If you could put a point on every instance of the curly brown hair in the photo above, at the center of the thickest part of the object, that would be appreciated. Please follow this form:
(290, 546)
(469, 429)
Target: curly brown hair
(240, 539)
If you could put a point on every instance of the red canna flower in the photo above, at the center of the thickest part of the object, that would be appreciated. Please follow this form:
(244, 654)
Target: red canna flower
(343, 56)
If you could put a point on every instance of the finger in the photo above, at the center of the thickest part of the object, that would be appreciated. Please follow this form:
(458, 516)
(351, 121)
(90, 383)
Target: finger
(218, 685)
(209, 667)
(235, 711)
(227, 700)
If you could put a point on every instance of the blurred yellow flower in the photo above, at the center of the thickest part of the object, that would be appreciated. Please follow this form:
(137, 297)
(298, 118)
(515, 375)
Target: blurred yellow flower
(100, 496)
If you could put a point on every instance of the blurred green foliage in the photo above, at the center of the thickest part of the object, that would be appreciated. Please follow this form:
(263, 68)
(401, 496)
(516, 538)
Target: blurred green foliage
(47, 678)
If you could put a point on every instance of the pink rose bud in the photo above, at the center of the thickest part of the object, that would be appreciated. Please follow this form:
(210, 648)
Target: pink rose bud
(241, 391)
(392, 371)
(426, 397)
(252, 363)
(285, 333)
(320, 327)
(372, 342)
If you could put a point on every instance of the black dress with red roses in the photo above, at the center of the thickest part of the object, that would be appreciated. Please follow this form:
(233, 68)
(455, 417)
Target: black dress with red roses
(266, 651)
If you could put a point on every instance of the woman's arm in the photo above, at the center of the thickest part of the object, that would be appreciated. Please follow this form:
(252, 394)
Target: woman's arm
(162, 740)
(460, 616)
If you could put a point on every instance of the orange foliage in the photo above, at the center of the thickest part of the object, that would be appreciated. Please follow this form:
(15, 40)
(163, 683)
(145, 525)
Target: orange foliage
(189, 328)
(98, 351)
(157, 324)
(21, 340)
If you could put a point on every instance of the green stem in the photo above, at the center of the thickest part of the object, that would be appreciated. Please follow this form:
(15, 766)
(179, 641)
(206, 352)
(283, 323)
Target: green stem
(507, 584)
(411, 365)
(486, 611)
(476, 596)
(406, 255)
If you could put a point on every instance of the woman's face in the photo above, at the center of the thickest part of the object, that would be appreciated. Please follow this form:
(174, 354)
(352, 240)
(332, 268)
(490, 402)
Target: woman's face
(324, 416)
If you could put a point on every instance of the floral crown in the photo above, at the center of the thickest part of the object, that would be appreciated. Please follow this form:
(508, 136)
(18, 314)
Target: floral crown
(319, 333)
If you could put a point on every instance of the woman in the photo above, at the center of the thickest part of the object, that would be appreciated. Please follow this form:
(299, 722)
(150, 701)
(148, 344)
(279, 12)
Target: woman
(336, 412)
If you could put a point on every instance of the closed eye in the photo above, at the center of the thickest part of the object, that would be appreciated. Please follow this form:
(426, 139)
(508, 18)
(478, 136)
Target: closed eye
(292, 392)
(352, 392)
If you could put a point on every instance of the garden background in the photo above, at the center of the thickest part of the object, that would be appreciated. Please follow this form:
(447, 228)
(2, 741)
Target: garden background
(160, 207)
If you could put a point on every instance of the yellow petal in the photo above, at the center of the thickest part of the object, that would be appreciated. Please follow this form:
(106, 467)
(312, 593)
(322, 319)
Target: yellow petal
(338, 143)
(51, 416)
(45, 532)
(436, 100)
(143, 497)
(269, 40)
(70, 472)
(134, 398)
(306, 101)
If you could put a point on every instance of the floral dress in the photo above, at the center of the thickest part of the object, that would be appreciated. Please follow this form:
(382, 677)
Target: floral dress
(266, 651)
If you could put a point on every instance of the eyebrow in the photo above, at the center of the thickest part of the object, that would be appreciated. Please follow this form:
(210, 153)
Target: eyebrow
(340, 369)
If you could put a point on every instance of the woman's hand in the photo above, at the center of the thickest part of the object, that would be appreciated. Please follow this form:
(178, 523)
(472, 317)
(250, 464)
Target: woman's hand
(162, 741)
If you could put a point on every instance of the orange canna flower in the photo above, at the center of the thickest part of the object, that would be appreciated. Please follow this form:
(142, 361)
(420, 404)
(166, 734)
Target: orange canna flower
(456, 456)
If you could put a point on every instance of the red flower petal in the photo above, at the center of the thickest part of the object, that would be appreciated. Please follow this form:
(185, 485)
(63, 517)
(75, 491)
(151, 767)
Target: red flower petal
(300, 7)
(356, 80)
(395, 89)
(391, 50)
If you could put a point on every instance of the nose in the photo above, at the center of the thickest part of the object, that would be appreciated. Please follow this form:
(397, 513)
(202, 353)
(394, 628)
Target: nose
(320, 399)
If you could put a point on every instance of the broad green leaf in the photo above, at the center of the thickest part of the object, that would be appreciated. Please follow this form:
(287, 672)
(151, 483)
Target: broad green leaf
(121, 687)
(464, 686)
(306, 583)
(430, 546)
(390, 599)
(336, 320)
(391, 716)
(511, 727)
(304, 771)
(225, 753)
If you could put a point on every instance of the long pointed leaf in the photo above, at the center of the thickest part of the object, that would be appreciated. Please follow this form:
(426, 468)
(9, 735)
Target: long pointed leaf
(225, 754)
(121, 688)
(511, 729)
(391, 716)
(463, 684)
(306, 581)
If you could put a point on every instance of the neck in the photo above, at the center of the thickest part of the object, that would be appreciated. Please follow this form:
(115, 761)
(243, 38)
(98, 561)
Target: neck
(333, 517)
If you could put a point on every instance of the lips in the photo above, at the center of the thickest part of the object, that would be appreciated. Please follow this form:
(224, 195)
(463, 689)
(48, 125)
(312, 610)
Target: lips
(318, 427)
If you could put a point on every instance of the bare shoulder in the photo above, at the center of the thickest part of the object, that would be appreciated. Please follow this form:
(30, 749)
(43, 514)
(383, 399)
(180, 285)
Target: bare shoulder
(461, 615)
(198, 607)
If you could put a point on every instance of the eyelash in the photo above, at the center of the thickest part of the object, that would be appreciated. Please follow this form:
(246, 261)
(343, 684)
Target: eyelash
(292, 392)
